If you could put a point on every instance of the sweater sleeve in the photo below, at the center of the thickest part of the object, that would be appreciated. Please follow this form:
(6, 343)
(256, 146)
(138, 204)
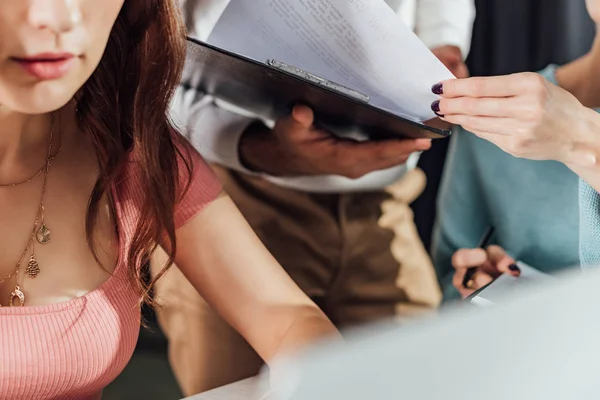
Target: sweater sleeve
(589, 226)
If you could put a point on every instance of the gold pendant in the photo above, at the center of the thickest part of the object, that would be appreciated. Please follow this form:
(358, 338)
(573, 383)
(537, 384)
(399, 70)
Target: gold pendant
(18, 295)
(44, 234)
(33, 268)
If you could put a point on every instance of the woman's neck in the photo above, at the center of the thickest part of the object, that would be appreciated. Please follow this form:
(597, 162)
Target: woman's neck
(23, 143)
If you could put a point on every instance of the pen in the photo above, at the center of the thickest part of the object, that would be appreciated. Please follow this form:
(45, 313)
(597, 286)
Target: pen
(485, 240)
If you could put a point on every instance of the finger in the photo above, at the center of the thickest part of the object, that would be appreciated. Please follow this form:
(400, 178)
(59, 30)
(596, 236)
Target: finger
(512, 107)
(495, 86)
(381, 164)
(461, 71)
(506, 143)
(449, 58)
(298, 125)
(360, 152)
(467, 258)
(480, 279)
(303, 115)
(491, 125)
(502, 261)
(458, 278)
(353, 170)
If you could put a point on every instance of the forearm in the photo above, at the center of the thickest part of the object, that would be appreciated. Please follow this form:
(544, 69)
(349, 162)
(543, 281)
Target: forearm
(310, 325)
(588, 144)
(581, 77)
(245, 284)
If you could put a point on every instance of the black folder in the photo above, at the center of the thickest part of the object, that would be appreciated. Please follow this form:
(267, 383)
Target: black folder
(270, 89)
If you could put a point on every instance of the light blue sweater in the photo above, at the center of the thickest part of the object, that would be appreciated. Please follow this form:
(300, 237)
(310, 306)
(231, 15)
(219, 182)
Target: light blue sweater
(534, 206)
(589, 230)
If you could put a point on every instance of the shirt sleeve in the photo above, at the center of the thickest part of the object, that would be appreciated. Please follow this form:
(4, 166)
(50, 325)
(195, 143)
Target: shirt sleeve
(212, 129)
(446, 22)
(198, 189)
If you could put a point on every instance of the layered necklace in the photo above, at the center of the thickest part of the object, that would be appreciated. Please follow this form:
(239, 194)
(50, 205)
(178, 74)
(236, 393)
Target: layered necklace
(39, 234)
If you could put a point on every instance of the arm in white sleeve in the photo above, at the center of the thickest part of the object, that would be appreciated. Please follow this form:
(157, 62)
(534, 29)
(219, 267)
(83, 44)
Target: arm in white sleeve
(446, 22)
(213, 128)
(214, 131)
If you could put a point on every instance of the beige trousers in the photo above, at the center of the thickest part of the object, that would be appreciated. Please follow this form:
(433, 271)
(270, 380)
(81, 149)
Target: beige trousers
(357, 255)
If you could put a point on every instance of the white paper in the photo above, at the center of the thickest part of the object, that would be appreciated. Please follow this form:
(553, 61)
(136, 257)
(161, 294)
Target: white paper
(360, 44)
(506, 285)
(249, 389)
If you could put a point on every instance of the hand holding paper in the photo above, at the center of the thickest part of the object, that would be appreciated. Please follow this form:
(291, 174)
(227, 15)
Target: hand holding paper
(491, 262)
(506, 285)
(297, 148)
(360, 44)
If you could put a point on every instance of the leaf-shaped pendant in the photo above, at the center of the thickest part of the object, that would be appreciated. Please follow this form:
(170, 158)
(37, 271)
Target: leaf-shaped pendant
(33, 268)
(44, 234)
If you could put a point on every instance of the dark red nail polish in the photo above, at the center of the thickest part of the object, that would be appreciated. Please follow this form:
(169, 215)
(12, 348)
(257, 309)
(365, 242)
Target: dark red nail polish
(438, 89)
(515, 269)
(435, 106)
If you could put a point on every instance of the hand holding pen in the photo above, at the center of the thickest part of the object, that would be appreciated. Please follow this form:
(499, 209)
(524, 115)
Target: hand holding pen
(475, 268)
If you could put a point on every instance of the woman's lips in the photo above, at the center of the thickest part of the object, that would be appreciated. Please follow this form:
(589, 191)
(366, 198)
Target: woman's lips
(47, 66)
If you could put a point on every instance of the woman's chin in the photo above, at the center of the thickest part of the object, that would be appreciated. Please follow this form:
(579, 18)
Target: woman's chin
(36, 100)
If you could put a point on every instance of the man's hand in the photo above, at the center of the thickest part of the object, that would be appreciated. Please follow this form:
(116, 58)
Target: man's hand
(295, 147)
(452, 58)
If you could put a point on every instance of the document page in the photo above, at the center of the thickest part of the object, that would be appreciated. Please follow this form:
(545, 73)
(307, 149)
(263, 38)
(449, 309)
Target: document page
(506, 285)
(360, 44)
(249, 389)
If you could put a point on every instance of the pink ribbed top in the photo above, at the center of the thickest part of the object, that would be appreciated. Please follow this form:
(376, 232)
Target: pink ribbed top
(73, 350)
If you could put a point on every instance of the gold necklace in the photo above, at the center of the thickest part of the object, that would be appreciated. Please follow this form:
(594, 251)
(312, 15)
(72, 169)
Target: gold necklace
(42, 234)
(34, 176)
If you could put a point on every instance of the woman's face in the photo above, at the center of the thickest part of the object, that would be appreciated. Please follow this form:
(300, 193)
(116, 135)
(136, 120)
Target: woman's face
(49, 49)
(594, 9)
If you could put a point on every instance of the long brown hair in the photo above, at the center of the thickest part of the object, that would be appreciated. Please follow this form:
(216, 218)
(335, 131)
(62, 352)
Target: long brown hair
(124, 105)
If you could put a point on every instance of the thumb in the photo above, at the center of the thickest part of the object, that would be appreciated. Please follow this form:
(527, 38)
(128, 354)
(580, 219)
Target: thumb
(303, 115)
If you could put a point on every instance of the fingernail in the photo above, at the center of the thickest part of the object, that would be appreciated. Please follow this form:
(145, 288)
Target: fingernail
(438, 89)
(424, 144)
(435, 106)
(515, 269)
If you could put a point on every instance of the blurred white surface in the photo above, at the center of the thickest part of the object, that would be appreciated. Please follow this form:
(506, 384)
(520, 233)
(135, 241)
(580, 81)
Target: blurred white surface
(542, 343)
